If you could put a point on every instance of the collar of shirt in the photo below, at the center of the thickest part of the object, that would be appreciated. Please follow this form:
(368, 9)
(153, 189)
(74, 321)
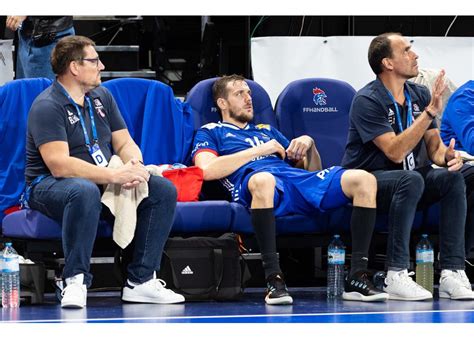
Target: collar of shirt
(382, 94)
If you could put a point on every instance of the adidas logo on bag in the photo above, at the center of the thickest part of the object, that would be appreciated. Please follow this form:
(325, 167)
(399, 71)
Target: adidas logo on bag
(187, 270)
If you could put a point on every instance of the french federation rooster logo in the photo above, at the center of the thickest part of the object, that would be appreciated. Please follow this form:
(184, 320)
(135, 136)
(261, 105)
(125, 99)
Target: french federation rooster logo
(319, 97)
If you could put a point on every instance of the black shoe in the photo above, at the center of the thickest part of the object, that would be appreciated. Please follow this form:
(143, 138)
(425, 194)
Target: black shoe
(277, 293)
(359, 287)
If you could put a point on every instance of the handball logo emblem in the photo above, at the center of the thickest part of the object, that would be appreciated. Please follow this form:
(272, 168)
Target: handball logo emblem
(319, 97)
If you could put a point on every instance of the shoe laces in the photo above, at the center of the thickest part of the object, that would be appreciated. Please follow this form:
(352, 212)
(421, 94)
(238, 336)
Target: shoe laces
(460, 275)
(405, 279)
(161, 286)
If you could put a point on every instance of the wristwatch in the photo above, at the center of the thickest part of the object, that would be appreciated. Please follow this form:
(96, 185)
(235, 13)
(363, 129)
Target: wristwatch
(431, 115)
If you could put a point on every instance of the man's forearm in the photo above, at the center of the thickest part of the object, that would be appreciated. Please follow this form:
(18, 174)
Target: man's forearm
(312, 161)
(404, 143)
(130, 151)
(71, 167)
(223, 166)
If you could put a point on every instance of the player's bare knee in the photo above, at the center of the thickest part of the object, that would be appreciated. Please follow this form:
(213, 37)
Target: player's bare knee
(365, 184)
(360, 183)
(262, 184)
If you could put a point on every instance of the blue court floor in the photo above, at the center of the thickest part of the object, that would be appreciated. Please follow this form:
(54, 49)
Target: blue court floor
(310, 306)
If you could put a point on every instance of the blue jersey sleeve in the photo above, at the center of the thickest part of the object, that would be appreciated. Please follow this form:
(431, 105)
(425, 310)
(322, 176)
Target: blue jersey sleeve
(459, 114)
(204, 141)
(369, 118)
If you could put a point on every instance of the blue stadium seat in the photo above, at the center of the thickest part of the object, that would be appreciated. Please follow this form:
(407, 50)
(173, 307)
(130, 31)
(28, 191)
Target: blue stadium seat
(160, 124)
(16, 98)
(201, 101)
(317, 107)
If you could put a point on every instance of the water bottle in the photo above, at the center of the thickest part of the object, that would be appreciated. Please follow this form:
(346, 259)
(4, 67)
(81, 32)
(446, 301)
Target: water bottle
(424, 263)
(336, 258)
(11, 277)
(1, 271)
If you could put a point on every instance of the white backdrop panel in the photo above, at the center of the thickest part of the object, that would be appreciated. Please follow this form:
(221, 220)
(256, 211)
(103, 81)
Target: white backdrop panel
(6, 61)
(276, 61)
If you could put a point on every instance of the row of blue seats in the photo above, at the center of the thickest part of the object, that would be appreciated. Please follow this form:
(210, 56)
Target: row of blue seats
(163, 127)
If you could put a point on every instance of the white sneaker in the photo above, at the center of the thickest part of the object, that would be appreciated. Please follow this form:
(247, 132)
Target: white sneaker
(401, 287)
(455, 285)
(152, 291)
(74, 295)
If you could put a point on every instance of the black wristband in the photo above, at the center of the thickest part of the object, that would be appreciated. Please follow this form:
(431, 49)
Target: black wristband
(431, 115)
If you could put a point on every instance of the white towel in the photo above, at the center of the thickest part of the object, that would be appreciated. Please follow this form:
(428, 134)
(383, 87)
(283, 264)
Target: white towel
(123, 204)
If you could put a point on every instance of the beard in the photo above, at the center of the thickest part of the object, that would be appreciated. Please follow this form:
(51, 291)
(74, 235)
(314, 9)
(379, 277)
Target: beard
(242, 117)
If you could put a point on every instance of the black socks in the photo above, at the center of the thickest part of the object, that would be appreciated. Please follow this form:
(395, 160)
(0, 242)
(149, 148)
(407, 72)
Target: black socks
(263, 221)
(362, 227)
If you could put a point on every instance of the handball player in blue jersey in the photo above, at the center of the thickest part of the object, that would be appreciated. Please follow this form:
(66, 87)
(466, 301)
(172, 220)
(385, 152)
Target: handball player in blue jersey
(275, 177)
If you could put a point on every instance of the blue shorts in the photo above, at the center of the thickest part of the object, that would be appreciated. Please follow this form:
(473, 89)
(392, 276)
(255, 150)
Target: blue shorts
(298, 191)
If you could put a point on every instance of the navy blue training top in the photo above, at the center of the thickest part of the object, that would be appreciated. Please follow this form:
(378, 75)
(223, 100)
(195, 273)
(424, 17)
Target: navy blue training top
(373, 114)
(53, 117)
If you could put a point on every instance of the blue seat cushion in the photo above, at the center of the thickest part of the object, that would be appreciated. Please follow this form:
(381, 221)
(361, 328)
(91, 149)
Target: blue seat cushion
(291, 224)
(202, 216)
(31, 224)
(191, 217)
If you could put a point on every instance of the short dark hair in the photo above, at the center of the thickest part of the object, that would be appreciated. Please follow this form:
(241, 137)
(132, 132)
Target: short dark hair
(68, 49)
(219, 88)
(380, 48)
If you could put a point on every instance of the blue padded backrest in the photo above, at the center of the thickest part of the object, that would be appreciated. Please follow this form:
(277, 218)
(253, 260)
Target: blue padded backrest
(160, 124)
(319, 108)
(16, 98)
(205, 111)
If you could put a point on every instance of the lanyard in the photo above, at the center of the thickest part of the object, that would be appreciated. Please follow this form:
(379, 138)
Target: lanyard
(25, 196)
(81, 118)
(397, 111)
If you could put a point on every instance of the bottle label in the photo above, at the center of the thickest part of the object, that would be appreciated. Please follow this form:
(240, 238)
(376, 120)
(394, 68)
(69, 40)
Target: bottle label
(424, 256)
(336, 257)
(10, 265)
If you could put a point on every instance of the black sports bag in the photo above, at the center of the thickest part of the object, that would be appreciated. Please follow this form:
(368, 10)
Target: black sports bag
(205, 268)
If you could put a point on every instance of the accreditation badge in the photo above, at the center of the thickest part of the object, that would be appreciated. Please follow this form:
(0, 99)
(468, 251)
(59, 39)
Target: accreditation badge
(98, 156)
(409, 162)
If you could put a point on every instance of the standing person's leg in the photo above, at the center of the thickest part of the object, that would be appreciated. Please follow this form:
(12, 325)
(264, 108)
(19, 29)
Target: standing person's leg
(449, 188)
(34, 58)
(398, 194)
(154, 221)
(22, 55)
(262, 189)
(75, 203)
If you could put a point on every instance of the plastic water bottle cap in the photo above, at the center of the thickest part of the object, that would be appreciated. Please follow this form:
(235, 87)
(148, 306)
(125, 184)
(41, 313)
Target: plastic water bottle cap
(8, 244)
(424, 235)
(336, 236)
